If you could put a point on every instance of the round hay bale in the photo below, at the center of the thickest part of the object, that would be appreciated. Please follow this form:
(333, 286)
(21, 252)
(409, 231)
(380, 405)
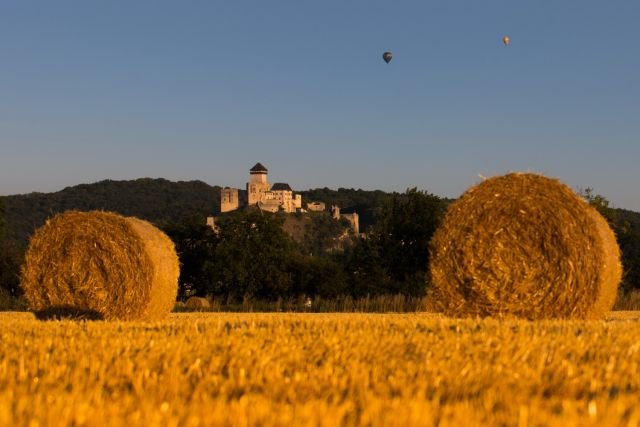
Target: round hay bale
(197, 303)
(611, 269)
(100, 265)
(524, 245)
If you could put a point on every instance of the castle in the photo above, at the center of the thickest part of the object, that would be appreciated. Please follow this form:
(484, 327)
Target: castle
(270, 198)
(278, 197)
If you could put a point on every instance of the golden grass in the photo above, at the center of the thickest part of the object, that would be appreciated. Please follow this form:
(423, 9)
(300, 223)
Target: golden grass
(524, 245)
(100, 265)
(320, 369)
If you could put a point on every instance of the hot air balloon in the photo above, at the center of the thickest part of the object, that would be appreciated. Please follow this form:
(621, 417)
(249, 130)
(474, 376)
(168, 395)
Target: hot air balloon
(387, 57)
(505, 40)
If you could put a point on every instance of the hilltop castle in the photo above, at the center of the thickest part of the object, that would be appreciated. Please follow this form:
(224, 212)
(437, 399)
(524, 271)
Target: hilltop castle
(278, 197)
(271, 198)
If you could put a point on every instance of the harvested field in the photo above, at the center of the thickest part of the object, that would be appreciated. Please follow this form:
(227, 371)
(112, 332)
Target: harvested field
(320, 369)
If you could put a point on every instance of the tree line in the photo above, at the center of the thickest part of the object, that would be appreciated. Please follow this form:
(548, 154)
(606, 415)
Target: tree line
(250, 255)
(11, 256)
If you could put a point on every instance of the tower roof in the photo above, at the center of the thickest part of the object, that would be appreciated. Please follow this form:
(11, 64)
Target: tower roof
(280, 186)
(258, 168)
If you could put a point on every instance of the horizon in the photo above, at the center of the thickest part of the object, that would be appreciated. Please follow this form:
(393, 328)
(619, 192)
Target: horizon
(194, 92)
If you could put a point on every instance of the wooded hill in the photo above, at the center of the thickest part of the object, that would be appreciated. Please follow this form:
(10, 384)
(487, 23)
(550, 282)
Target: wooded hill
(157, 200)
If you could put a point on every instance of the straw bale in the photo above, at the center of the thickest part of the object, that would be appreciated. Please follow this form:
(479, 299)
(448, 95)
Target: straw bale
(197, 303)
(611, 269)
(524, 245)
(100, 265)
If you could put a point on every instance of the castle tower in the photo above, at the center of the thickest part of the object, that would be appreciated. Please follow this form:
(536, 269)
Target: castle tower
(257, 185)
(228, 199)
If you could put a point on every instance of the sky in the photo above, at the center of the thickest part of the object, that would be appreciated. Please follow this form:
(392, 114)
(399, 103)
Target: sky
(186, 90)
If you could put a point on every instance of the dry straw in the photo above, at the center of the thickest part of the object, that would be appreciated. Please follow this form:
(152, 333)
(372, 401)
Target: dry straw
(197, 303)
(100, 265)
(524, 245)
(611, 269)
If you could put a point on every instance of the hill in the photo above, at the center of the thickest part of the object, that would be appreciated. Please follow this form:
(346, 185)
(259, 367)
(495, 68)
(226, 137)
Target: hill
(156, 200)
(159, 201)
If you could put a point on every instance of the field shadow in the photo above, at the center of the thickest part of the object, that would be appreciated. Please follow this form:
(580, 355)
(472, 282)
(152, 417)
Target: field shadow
(68, 313)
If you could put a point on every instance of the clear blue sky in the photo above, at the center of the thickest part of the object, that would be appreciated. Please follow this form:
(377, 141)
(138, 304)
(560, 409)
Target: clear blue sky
(93, 90)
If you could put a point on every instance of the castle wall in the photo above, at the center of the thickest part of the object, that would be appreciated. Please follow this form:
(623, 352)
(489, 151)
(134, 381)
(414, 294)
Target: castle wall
(315, 206)
(335, 212)
(256, 190)
(228, 199)
(269, 206)
(354, 220)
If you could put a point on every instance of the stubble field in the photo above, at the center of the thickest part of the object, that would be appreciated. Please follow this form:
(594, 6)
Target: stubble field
(319, 369)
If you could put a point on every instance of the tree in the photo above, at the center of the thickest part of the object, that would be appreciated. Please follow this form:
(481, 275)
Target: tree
(626, 226)
(2, 219)
(365, 269)
(402, 235)
(317, 276)
(629, 243)
(394, 257)
(11, 258)
(253, 257)
(600, 203)
(322, 233)
(627, 229)
(196, 244)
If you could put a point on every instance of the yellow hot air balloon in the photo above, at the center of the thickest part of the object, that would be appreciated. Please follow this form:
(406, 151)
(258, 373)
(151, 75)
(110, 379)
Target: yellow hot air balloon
(505, 40)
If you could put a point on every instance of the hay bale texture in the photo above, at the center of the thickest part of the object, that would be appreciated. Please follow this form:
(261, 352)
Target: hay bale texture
(524, 245)
(102, 263)
(197, 303)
